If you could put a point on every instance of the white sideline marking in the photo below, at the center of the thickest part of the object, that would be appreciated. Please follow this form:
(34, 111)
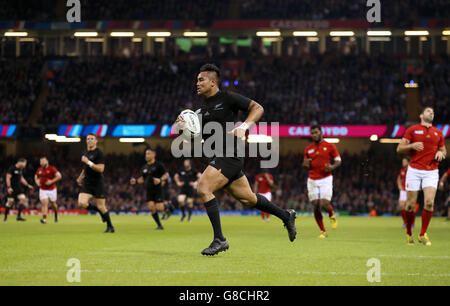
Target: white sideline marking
(415, 256)
(229, 272)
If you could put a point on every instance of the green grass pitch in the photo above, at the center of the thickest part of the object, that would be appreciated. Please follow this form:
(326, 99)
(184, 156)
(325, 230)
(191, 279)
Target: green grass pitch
(260, 253)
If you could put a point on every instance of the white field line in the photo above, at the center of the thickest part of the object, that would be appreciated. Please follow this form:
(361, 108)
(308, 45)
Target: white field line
(340, 273)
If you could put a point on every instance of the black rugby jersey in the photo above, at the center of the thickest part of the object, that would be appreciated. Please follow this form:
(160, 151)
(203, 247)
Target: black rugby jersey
(223, 107)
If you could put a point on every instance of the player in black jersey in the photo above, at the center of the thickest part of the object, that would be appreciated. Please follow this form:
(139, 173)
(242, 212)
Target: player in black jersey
(152, 174)
(187, 179)
(226, 172)
(92, 181)
(168, 206)
(16, 193)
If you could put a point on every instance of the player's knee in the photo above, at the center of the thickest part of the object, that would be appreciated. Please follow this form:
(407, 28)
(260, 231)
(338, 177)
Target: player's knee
(250, 200)
(83, 203)
(203, 191)
(428, 205)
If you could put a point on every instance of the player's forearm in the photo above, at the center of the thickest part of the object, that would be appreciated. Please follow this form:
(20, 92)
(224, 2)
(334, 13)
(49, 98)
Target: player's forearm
(53, 181)
(97, 168)
(58, 177)
(399, 183)
(165, 177)
(8, 181)
(404, 148)
(444, 151)
(24, 182)
(336, 164)
(255, 113)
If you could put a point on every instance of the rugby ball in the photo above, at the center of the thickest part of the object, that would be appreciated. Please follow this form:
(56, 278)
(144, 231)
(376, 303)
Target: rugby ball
(191, 128)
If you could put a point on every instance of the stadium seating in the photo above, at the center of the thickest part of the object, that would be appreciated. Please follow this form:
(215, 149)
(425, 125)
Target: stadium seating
(20, 84)
(328, 89)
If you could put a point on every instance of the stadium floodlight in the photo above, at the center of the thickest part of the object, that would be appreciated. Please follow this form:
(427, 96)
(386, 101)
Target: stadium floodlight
(85, 34)
(121, 34)
(305, 33)
(373, 137)
(68, 139)
(332, 140)
(342, 33)
(16, 34)
(195, 34)
(51, 136)
(446, 32)
(379, 33)
(159, 34)
(268, 33)
(259, 139)
(390, 140)
(417, 33)
(131, 140)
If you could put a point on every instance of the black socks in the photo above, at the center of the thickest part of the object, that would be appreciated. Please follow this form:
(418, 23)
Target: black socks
(156, 218)
(212, 209)
(266, 206)
(106, 218)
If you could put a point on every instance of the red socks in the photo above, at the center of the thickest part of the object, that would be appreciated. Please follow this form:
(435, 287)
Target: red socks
(331, 211)
(426, 217)
(403, 213)
(265, 215)
(409, 222)
(319, 219)
(45, 217)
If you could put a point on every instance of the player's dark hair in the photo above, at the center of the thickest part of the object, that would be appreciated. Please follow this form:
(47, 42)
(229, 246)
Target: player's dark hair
(316, 127)
(211, 68)
(43, 156)
(425, 107)
(91, 134)
(149, 149)
(21, 160)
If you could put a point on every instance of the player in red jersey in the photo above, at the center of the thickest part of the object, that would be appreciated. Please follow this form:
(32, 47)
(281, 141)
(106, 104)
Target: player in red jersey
(263, 184)
(46, 177)
(441, 188)
(317, 159)
(425, 144)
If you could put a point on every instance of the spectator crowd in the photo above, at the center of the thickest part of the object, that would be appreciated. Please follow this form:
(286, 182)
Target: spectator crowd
(327, 88)
(398, 13)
